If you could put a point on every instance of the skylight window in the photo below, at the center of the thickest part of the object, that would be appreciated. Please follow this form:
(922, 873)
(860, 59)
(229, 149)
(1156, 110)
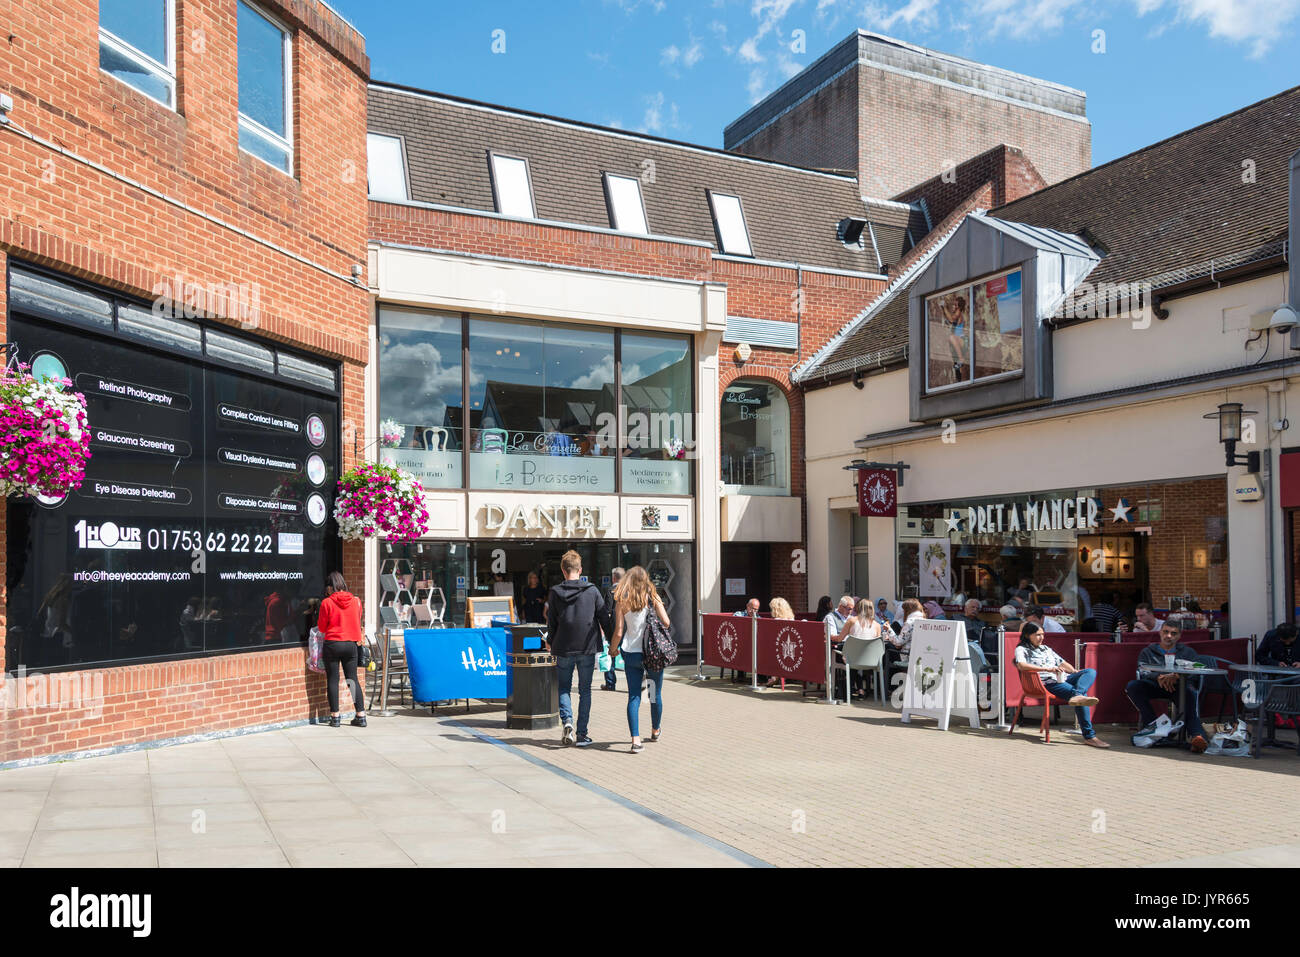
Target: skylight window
(385, 170)
(729, 219)
(511, 186)
(626, 210)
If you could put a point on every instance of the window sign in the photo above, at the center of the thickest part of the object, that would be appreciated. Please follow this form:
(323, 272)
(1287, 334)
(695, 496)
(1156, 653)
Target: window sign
(420, 403)
(756, 438)
(204, 520)
(975, 332)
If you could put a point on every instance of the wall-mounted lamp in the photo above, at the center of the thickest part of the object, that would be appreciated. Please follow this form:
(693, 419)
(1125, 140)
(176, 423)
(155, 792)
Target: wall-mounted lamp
(1229, 416)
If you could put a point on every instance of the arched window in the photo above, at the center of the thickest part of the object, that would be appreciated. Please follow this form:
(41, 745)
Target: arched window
(755, 439)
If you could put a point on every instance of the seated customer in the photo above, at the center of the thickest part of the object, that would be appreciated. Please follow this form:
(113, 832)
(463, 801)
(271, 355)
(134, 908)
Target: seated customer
(1279, 648)
(1061, 679)
(1011, 620)
(1034, 614)
(1148, 686)
(911, 614)
(970, 616)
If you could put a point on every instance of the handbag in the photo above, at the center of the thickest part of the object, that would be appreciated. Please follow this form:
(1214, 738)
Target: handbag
(657, 643)
(363, 654)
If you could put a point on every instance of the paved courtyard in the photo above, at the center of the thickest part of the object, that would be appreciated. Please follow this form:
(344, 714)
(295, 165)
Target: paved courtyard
(738, 779)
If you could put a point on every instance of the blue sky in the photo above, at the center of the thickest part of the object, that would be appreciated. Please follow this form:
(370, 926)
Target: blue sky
(686, 69)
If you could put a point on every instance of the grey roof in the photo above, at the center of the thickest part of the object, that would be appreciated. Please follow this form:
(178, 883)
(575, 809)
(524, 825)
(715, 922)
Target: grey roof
(792, 213)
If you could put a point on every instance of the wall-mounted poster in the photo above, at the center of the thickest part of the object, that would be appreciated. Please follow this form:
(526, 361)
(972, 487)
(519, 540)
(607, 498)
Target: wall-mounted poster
(1126, 548)
(480, 610)
(1126, 569)
(935, 567)
(735, 586)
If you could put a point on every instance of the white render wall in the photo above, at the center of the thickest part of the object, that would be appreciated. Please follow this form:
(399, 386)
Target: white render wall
(1142, 440)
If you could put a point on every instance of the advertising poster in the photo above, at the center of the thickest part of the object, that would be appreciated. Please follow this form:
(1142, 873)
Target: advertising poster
(934, 571)
(204, 522)
(940, 682)
(997, 318)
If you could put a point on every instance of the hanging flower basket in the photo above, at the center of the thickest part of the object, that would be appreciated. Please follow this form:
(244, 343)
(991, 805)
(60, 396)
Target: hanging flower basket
(44, 440)
(391, 433)
(376, 499)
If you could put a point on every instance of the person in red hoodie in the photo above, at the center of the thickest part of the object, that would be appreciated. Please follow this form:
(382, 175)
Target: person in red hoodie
(340, 626)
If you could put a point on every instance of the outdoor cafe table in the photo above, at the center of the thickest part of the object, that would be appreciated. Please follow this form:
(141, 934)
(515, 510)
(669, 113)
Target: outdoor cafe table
(1280, 672)
(1183, 674)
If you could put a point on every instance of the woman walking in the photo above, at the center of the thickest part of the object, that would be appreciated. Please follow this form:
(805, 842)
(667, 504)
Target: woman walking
(340, 626)
(634, 597)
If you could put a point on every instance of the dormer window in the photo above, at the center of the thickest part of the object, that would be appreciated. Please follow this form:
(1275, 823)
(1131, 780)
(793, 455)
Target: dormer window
(729, 221)
(385, 168)
(626, 209)
(512, 188)
(975, 332)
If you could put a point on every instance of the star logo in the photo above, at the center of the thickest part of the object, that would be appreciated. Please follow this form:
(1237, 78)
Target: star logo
(955, 522)
(789, 649)
(879, 493)
(1120, 512)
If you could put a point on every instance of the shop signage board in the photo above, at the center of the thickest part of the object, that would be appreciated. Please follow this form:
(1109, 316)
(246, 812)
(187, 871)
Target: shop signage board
(203, 521)
(790, 649)
(448, 663)
(524, 472)
(940, 682)
(877, 493)
(1042, 515)
(551, 520)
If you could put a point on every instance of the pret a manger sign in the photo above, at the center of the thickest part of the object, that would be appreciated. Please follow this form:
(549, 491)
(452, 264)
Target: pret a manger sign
(1031, 516)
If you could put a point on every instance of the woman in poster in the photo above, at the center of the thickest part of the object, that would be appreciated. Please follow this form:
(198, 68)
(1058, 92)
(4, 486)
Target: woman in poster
(954, 323)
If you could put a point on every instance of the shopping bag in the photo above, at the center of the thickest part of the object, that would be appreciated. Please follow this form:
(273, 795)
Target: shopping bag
(315, 645)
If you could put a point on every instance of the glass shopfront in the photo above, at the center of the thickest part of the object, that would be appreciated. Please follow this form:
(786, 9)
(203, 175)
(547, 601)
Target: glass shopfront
(1164, 543)
(203, 523)
(543, 400)
(755, 422)
(442, 575)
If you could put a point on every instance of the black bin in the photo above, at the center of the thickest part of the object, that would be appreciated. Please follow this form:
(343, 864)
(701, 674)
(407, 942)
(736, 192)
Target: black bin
(532, 688)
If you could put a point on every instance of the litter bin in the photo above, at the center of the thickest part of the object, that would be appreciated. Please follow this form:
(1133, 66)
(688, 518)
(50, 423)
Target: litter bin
(532, 691)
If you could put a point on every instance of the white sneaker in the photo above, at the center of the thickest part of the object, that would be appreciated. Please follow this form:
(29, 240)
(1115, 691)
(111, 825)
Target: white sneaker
(570, 737)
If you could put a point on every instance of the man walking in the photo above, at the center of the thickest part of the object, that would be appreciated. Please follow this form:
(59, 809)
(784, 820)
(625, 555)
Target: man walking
(611, 676)
(576, 617)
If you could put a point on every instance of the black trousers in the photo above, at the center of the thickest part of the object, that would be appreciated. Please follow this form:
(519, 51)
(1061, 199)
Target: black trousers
(333, 654)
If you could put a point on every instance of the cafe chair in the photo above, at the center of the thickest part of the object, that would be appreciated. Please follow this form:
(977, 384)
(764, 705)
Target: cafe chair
(865, 654)
(1283, 700)
(1034, 694)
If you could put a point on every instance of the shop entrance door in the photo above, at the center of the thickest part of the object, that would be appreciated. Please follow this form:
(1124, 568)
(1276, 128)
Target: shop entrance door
(748, 570)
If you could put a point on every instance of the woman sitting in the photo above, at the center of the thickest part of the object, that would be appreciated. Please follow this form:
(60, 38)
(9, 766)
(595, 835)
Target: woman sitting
(911, 613)
(1062, 680)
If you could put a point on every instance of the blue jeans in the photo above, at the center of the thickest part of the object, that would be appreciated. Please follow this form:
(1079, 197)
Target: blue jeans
(586, 665)
(1076, 682)
(634, 671)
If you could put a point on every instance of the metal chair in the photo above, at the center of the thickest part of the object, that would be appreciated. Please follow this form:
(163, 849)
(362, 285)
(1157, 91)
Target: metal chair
(979, 663)
(1283, 699)
(865, 654)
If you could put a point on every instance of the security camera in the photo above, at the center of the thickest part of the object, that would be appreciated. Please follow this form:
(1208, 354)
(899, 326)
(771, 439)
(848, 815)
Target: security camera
(1284, 319)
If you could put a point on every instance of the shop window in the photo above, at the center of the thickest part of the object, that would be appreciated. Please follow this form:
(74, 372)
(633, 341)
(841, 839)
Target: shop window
(512, 187)
(265, 88)
(756, 439)
(421, 404)
(659, 435)
(137, 45)
(385, 168)
(975, 332)
(542, 409)
(626, 210)
(729, 220)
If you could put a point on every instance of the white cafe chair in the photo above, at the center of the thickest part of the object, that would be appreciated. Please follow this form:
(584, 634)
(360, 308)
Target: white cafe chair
(865, 654)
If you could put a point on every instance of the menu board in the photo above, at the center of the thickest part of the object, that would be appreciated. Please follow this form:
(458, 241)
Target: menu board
(204, 522)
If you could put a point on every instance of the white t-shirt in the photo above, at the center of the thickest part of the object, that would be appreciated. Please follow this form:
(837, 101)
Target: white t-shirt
(858, 630)
(1052, 626)
(633, 625)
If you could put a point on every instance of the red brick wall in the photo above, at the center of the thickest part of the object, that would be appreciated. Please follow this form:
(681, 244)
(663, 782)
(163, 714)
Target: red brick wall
(821, 132)
(1005, 168)
(293, 239)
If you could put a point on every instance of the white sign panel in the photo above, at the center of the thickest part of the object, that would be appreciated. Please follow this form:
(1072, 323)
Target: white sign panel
(541, 473)
(735, 586)
(940, 682)
(431, 469)
(934, 557)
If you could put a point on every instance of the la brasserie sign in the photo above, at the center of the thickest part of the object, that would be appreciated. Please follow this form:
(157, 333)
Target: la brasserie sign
(1048, 515)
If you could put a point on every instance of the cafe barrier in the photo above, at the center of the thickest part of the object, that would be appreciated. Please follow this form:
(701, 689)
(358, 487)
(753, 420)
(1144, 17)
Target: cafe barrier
(699, 648)
(781, 648)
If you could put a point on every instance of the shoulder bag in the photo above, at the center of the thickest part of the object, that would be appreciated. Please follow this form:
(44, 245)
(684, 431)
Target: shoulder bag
(657, 643)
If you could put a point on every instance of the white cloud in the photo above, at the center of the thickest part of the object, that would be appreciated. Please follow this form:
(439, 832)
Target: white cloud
(669, 55)
(921, 14)
(748, 51)
(694, 53)
(654, 119)
(1254, 22)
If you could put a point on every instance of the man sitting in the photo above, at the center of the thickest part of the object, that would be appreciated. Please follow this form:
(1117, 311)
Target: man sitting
(971, 616)
(1034, 613)
(1149, 686)
(1145, 618)
(1279, 648)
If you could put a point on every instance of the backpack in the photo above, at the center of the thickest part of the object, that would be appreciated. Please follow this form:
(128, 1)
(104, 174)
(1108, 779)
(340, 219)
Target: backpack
(657, 643)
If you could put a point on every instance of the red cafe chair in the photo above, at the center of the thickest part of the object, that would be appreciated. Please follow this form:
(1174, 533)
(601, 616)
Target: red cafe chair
(1034, 694)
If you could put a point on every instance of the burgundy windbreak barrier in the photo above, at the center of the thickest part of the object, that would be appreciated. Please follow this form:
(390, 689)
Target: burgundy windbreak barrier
(727, 642)
(793, 650)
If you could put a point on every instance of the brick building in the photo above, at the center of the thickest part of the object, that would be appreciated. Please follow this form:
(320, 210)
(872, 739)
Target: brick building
(591, 257)
(185, 243)
(895, 114)
(1054, 352)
